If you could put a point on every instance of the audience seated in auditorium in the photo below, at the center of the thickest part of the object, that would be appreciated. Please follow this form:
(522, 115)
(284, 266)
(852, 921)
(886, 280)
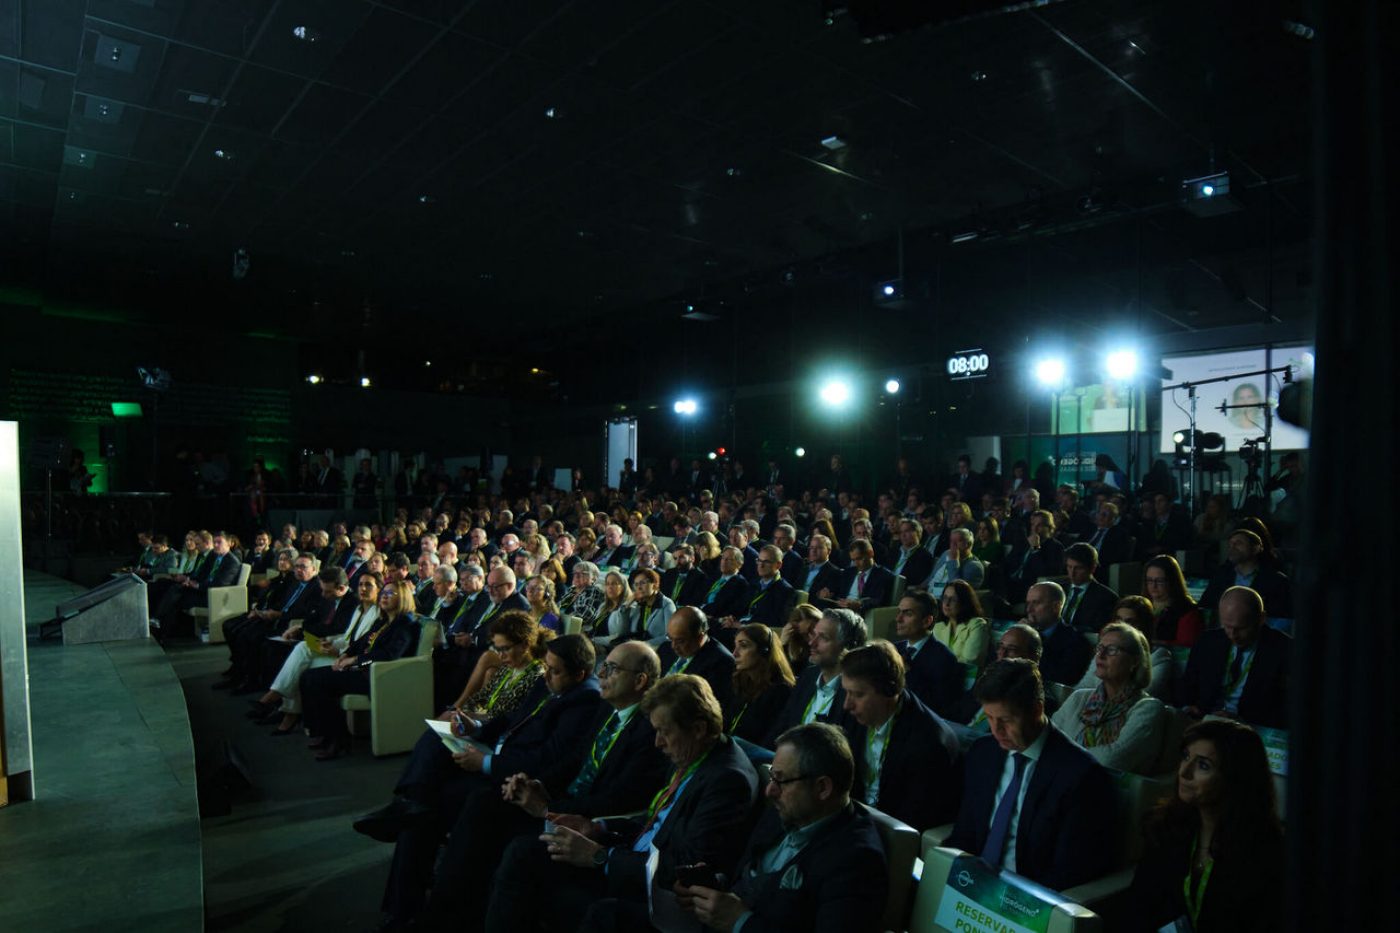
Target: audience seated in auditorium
(584, 597)
(1110, 539)
(863, 586)
(817, 695)
(962, 627)
(956, 563)
(815, 860)
(769, 598)
(1034, 802)
(1244, 567)
(797, 635)
(1137, 612)
(1240, 669)
(910, 559)
(291, 598)
(685, 584)
(539, 593)
(1037, 555)
(641, 618)
(1117, 721)
(1088, 603)
(691, 649)
(931, 671)
(908, 761)
(819, 574)
(394, 635)
(761, 683)
(597, 872)
(728, 595)
(1065, 653)
(1167, 530)
(1213, 855)
(506, 673)
(1179, 622)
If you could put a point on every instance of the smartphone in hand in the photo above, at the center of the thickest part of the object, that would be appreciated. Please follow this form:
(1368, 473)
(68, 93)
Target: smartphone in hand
(698, 875)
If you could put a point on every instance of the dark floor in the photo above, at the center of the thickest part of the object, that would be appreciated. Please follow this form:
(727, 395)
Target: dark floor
(286, 858)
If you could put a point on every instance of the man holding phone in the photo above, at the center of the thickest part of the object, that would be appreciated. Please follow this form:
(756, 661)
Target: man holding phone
(813, 863)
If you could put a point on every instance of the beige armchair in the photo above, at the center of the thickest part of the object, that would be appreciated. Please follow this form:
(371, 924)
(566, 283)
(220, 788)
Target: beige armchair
(400, 698)
(225, 602)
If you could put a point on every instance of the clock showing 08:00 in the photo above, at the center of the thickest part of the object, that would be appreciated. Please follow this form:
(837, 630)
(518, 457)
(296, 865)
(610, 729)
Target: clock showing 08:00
(968, 364)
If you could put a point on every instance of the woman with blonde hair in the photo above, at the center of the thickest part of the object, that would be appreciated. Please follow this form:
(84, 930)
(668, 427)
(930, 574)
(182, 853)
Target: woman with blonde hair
(539, 593)
(1117, 722)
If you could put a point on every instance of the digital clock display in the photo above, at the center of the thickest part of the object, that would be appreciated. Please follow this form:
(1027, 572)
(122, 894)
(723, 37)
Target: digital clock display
(968, 364)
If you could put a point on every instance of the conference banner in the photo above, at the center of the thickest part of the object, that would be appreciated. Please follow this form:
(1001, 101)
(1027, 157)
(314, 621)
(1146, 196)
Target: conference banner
(1276, 747)
(979, 899)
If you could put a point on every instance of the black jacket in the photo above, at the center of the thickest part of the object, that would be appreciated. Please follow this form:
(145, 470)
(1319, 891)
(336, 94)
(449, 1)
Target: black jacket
(731, 599)
(692, 591)
(713, 663)
(1264, 701)
(879, 587)
(921, 781)
(802, 694)
(1095, 609)
(770, 606)
(756, 718)
(1065, 656)
(631, 773)
(1273, 587)
(537, 736)
(838, 883)
(935, 676)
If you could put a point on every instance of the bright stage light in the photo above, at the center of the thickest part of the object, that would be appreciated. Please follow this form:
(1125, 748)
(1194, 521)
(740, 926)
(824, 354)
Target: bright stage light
(1050, 372)
(686, 406)
(800, 452)
(892, 386)
(835, 393)
(1122, 365)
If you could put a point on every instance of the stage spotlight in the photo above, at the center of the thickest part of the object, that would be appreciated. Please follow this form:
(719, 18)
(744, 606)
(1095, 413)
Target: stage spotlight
(712, 455)
(1050, 372)
(889, 291)
(686, 406)
(835, 393)
(892, 386)
(800, 452)
(1122, 365)
(1179, 438)
(364, 382)
(314, 379)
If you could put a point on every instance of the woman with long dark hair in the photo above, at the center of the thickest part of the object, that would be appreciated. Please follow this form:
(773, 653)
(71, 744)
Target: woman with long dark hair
(1178, 622)
(762, 682)
(1213, 853)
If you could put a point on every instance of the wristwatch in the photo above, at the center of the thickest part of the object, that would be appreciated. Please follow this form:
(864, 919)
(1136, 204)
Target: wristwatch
(600, 858)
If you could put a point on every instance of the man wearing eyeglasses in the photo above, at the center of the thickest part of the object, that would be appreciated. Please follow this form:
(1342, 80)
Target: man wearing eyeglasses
(769, 600)
(815, 860)
(617, 772)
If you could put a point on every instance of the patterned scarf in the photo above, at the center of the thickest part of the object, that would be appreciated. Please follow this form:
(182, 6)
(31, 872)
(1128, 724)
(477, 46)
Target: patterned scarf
(1102, 719)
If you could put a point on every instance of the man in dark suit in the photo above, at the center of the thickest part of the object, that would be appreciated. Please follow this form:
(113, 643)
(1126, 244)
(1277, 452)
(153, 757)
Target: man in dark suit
(794, 568)
(599, 870)
(685, 584)
(614, 553)
(739, 539)
(819, 574)
(1088, 604)
(467, 633)
(1038, 555)
(690, 649)
(1066, 653)
(910, 764)
(327, 617)
(328, 481)
(770, 599)
(245, 636)
(815, 860)
(617, 771)
(1034, 802)
(932, 672)
(549, 725)
(1239, 670)
(358, 560)
(219, 568)
(1077, 525)
(818, 696)
(1168, 532)
(967, 483)
(1244, 549)
(1110, 539)
(911, 559)
(728, 595)
(863, 586)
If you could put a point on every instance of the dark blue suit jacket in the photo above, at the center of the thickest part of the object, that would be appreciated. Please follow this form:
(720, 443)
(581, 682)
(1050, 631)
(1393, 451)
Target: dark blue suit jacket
(732, 599)
(828, 576)
(921, 781)
(708, 823)
(1067, 814)
(534, 740)
(935, 676)
(713, 663)
(879, 587)
(1066, 655)
(631, 773)
(802, 693)
(1264, 701)
(398, 640)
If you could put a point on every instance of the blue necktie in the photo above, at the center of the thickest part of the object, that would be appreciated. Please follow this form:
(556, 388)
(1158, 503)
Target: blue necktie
(1001, 821)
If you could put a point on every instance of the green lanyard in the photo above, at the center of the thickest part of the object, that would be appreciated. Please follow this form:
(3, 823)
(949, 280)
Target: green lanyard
(872, 773)
(813, 700)
(593, 755)
(734, 723)
(506, 681)
(664, 795)
(676, 590)
(1231, 685)
(646, 616)
(1193, 902)
(715, 588)
(761, 593)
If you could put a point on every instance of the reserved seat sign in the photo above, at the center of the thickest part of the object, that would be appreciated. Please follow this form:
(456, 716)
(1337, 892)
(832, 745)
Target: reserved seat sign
(979, 899)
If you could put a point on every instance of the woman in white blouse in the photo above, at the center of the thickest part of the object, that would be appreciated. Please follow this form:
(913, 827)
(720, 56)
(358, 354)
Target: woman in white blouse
(286, 687)
(1117, 722)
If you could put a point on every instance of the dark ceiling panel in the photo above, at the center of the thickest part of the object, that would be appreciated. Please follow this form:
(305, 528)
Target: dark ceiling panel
(223, 26)
(51, 33)
(45, 96)
(446, 70)
(385, 44)
(259, 99)
(322, 114)
(331, 22)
